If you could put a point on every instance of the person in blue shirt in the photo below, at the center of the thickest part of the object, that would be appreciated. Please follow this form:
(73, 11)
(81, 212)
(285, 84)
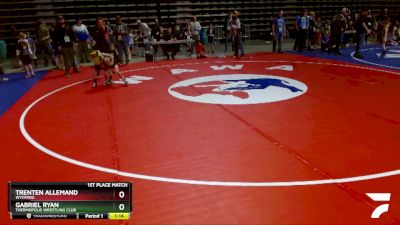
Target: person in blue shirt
(302, 24)
(278, 31)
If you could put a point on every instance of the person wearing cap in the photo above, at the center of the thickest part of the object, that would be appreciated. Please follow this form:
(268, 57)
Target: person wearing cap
(66, 39)
(83, 37)
(121, 36)
(278, 31)
(237, 35)
(302, 24)
(361, 30)
(145, 33)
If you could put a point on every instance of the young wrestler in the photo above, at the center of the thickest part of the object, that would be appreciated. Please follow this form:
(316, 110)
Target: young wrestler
(106, 62)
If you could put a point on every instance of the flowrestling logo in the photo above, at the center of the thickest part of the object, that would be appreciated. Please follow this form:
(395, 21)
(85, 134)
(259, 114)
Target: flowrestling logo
(380, 197)
(238, 89)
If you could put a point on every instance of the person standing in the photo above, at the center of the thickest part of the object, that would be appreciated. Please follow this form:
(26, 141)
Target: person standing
(237, 35)
(312, 28)
(383, 30)
(121, 36)
(361, 29)
(65, 38)
(24, 54)
(278, 31)
(371, 24)
(156, 32)
(210, 38)
(101, 36)
(145, 33)
(32, 45)
(302, 24)
(318, 31)
(227, 29)
(44, 42)
(83, 37)
(195, 28)
(338, 27)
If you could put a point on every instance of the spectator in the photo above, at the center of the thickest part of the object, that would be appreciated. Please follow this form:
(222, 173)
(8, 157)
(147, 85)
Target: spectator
(24, 54)
(121, 36)
(383, 30)
(361, 29)
(157, 30)
(278, 31)
(312, 29)
(318, 31)
(65, 38)
(44, 42)
(210, 38)
(58, 53)
(187, 34)
(157, 33)
(200, 50)
(395, 33)
(83, 38)
(339, 25)
(145, 33)
(325, 35)
(237, 35)
(132, 40)
(227, 30)
(177, 29)
(173, 48)
(101, 36)
(371, 24)
(32, 45)
(302, 24)
(195, 28)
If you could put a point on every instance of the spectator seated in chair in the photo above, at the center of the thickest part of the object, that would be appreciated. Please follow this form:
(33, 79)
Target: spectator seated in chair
(169, 48)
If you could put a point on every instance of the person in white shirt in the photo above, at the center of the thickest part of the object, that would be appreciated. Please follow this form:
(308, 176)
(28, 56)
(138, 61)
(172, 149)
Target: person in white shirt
(145, 33)
(82, 34)
(236, 30)
(195, 28)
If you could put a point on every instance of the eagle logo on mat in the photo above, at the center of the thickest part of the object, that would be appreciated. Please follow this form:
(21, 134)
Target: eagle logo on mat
(237, 89)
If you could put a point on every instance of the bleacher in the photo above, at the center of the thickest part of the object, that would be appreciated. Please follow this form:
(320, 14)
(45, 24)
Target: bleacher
(21, 15)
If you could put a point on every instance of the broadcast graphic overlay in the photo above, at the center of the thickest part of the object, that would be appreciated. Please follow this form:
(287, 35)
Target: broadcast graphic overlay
(80, 200)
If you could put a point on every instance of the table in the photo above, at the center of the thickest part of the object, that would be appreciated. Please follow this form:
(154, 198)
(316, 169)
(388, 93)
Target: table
(189, 43)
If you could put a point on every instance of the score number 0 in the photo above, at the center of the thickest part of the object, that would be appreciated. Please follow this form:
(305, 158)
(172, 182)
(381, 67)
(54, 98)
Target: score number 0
(121, 195)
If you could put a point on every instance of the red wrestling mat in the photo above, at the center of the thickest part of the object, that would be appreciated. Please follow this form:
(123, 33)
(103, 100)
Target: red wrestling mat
(271, 139)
